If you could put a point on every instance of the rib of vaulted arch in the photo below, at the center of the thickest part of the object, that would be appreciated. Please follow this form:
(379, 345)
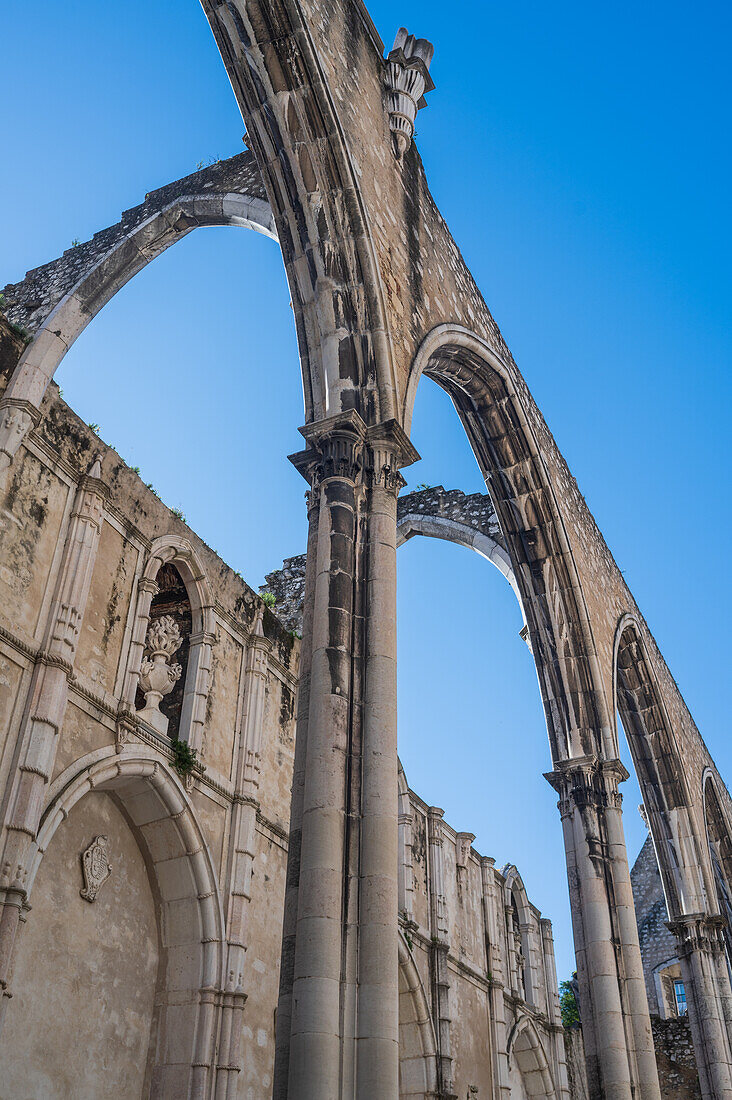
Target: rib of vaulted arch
(381, 296)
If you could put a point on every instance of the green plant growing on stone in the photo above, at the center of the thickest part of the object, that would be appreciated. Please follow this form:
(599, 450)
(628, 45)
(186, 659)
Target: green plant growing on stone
(135, 470)
(75, 243)
(268, 599)
(185, 759)
(179, 514)
(422, 486)
(568, 1004)
(95, 428)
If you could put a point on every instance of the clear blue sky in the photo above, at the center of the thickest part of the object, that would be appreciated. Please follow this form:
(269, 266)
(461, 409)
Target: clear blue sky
(580, 155)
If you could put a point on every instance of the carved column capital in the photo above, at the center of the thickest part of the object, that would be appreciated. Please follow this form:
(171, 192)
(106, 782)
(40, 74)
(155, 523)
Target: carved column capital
(335, 449)
(587, 781)
(388, 450)
(698, 932)
(148, 585)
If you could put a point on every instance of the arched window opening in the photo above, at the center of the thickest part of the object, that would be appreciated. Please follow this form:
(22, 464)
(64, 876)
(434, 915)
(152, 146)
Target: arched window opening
(165, 669)
(516, 946)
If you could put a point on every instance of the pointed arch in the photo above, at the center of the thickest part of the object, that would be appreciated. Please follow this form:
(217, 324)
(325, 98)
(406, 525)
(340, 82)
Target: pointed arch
(176, 550)
(661, 775)
(406, 867)
(107, 269)
(191, 917)
(503, 428)
(526, 1052)
(519, 922)
(417, 1042)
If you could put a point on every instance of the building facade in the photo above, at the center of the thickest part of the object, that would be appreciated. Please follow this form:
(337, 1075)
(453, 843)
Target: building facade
(381, 297)
(149, 903)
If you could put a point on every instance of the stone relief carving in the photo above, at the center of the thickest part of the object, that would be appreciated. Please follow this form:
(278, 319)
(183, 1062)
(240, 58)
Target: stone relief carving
(407, 79)
(15, 423)
(96, 868)
(157, 675)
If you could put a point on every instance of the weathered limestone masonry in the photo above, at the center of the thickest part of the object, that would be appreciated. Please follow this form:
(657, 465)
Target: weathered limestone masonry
(148, 983)
(671, 1032)
(381, 295)
(155, 898)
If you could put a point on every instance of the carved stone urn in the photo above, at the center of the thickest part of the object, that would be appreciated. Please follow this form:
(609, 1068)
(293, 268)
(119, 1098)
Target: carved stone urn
(157, 675)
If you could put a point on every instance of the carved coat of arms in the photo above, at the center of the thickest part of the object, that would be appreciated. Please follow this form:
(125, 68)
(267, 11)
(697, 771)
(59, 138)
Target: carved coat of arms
(96, 867)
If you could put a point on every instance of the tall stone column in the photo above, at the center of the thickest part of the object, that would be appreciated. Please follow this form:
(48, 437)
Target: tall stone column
(343, 1035)
(559, 1057)
(702, 955)
(48, 699)
(292, 884)
(616, 1029)
(493, 919)
(241, 861)
(377, 1051)
(440, 934)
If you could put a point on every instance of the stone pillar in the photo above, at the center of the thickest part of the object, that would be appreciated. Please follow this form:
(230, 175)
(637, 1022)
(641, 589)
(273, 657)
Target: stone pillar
(343, 1034)
(701, 954)
(378, 958)
(559, 1056)
(316, 1028)
(241, 862)
(48, 698)
(616, 1026)
(440, 935)
(493, 917)
(292, 884)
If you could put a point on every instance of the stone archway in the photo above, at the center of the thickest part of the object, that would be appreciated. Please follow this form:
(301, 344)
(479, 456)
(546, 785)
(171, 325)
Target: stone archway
(56, 302)
(529, 1074)
(417, 1045)
(137, 790)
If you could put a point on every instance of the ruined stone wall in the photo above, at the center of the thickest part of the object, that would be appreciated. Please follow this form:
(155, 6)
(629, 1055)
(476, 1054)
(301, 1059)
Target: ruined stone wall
(657, 943)
(125, 981)
(28, 302)
(35, 514)
(677, 1073)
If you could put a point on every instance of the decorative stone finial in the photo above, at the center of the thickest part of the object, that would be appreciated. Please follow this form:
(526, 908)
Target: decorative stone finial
(157, 675)
(95, 470)
(407, 78)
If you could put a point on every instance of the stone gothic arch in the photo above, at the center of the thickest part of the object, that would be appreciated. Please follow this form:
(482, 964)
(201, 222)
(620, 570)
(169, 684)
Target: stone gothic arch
(177, 551)
(518, 927)
(527, 1057)
(684, 860)
(191, 923)
(417, 1043)
(56, 302)
(381, 295)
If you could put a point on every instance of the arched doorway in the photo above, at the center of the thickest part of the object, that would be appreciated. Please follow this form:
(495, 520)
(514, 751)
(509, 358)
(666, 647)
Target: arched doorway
(126, 996)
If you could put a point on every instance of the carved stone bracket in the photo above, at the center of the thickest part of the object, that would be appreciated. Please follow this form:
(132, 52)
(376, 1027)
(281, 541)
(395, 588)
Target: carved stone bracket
(407, 79)
(17, 418)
